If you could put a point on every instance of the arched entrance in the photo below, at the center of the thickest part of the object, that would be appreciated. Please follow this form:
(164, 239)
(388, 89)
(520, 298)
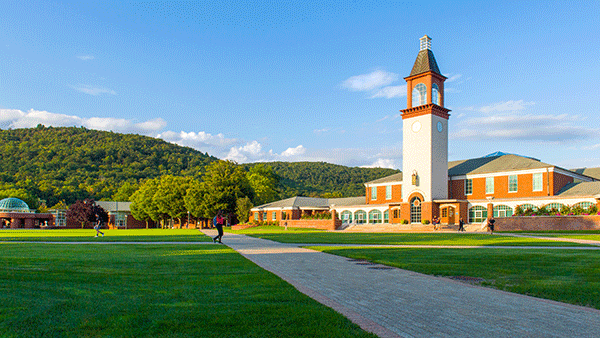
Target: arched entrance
(415, 210)
(448, 215)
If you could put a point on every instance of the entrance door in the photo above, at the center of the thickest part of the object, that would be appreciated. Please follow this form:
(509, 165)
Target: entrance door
(448, 214)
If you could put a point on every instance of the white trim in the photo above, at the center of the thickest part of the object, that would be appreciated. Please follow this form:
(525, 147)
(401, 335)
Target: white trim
(368, 185)
(523, 172)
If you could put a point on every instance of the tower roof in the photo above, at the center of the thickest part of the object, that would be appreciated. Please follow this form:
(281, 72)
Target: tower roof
(425, 60)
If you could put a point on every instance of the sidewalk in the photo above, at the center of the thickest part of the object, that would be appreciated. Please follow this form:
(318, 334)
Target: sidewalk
(397, 303)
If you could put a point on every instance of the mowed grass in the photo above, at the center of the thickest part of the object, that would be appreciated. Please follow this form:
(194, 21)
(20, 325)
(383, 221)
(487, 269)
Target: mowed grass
(88, 235)
(570, 276)
(118, 290)
(309, 236)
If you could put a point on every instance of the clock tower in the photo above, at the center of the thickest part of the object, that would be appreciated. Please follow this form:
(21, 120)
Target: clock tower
(424, 138)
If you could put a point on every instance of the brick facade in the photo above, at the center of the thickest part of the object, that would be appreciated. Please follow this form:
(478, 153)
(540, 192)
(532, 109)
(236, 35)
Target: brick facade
(546, 223)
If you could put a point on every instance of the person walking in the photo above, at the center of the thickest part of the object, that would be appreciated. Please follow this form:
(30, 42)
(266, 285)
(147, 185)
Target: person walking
(491, 222)
(218, 223)
(461, 225)
(98, 225)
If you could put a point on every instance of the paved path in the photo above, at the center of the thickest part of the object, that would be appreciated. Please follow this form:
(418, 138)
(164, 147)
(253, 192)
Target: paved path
(398, 303)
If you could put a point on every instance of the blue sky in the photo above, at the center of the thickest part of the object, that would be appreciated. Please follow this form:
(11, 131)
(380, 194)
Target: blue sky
(302, 81)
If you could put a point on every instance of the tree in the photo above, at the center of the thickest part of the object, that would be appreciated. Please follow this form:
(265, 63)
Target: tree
(143, 206)
(223, 183)
(124, 192)
(242, 209)
(169, 196)
(85, 212)
(193, 198)
(263, 182)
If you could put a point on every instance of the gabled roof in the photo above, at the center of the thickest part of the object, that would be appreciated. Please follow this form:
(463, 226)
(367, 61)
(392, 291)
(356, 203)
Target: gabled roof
(112, 206)
(297, 202)
(348, 201)
(492, 164)
(580, 189)
(392, 178)
(425, 62)
(592, 172)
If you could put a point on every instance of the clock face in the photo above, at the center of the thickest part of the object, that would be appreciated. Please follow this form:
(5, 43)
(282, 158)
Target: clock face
(440, 127)
(416, 126)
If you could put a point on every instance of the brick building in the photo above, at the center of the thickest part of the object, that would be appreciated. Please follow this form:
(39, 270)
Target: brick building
(431, 186)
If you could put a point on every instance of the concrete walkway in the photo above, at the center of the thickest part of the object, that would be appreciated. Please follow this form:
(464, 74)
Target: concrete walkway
(391, 302)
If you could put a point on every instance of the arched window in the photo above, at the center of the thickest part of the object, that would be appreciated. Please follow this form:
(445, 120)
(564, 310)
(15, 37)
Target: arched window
(386, 216)
(477, 214)
(360, 216)
(374, 216)
(556, 206)
(415, 210)
(419, 95)
(435, 94)
(584, 205)
(502, 211)
(526, 206)
(346, 216)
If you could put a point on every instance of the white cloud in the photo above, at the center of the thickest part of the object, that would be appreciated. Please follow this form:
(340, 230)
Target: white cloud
(87, 89)
(291, 152)
(384, 163)
(14, 118)
(505, 106)
(452, 77)
(390, 92)
(85, 57)
(371, 81)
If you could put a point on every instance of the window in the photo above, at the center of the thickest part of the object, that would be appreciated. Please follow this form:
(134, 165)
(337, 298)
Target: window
(477, 214)
(537, 182)
(373, 193)
(512, 183)
(584, 205)
(489, 185)
(374, 216)
(273, 216)
(121, 219)
(435, 94)
(419, 95)
(346, 216)
(256, 216)
(445, 212)
(283, 215)
(360, 216)
(415, 210)
(526, 206)
(502, 211)
(264, 218)
(388, 192)
(468, 186)
(386, 216)
(555, 206)
(396, 213)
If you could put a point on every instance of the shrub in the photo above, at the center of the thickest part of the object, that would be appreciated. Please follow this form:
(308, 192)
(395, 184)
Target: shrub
(518, 211)
(425, 221)
(317, 215)
(565, 210)
(404, 221)
(593, 209)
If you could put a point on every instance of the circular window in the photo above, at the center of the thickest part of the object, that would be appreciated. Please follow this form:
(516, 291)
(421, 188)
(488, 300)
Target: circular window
(440, 127)
(416, 126)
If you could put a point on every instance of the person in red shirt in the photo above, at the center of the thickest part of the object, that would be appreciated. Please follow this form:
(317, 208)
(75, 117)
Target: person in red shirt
(218, 221)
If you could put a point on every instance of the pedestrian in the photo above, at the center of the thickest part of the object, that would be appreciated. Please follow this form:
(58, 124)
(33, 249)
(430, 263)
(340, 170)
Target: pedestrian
(435, 221)
(218, 223)
(491, 222)
(461, 225)
(98, 225)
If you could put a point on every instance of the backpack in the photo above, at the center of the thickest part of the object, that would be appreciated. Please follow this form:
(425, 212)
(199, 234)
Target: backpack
(215, 221)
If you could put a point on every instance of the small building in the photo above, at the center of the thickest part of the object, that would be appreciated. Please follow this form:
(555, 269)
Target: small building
(15, 214)
(119, 215)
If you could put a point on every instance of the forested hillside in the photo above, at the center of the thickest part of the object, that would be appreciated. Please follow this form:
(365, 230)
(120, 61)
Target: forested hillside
(324, 179)
(74, 163)
(70, 164)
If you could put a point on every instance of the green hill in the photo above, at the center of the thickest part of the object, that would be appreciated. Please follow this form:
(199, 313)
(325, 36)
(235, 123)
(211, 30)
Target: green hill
(69, 163)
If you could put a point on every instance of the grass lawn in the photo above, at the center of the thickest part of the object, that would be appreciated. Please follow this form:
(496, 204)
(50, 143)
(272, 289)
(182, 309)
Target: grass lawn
(279, 234)
(55, 290)
(87, 235)
(570, 276)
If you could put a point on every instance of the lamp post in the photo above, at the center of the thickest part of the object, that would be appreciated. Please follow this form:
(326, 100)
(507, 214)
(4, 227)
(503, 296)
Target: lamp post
(188, 223)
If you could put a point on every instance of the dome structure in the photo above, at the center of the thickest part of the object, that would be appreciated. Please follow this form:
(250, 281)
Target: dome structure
(12, 204)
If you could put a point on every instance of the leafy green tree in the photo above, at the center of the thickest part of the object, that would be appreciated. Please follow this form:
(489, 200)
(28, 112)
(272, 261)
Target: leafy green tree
(169, 196)
(223, 183)
(144, 206)
(242, 209)
(124, 192)
(193, 198)
(263, 182)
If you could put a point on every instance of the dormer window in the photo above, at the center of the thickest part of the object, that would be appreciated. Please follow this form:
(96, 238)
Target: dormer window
(419, 95)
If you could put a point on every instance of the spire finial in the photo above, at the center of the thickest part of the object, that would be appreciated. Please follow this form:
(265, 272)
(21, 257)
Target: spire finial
(425, 42)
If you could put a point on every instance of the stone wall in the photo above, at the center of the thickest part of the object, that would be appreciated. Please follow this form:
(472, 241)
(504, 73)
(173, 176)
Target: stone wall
(323, 224)
(545, 223)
